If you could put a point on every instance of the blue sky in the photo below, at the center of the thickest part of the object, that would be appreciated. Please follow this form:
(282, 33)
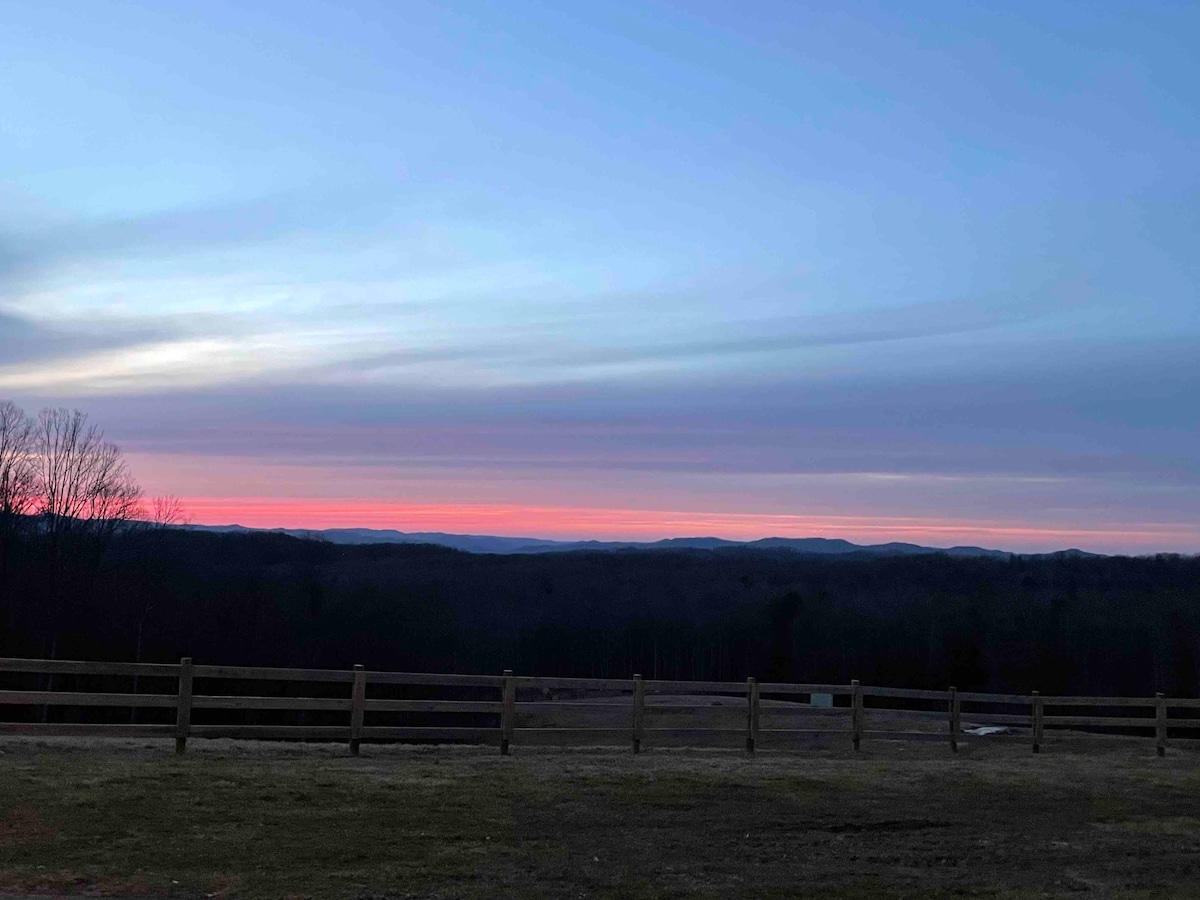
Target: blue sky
(880, 267)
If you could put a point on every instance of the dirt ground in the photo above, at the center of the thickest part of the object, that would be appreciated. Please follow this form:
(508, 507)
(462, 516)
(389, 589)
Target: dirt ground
(1086, 817)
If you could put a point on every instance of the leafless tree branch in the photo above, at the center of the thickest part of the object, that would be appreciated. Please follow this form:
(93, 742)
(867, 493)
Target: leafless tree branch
(18, 477)
(83, 483)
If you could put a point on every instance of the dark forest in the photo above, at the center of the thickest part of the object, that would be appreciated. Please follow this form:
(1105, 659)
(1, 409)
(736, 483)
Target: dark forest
(1077, 625)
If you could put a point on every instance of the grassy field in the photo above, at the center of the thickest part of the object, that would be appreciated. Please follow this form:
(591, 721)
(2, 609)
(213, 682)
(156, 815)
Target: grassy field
(1086, 817)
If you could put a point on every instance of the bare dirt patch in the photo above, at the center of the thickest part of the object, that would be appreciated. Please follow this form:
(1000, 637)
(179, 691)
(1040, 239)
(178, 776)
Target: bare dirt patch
(24, 825)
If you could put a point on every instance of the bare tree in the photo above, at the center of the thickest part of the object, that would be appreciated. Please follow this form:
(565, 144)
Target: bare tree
(85, 495)
(167, 511)
(17, 473)
(83, 482)
(17, 484)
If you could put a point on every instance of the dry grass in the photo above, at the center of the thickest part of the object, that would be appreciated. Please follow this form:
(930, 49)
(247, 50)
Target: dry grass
(1086, 817)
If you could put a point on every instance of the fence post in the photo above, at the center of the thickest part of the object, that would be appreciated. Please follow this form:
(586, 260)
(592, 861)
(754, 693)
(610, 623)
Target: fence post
(955, 711)
(639, 712)
(508, 701)
(751, 714)
(1160, 724)
(183, 706)
(358, 704)
(1038, 712)
(856, 711)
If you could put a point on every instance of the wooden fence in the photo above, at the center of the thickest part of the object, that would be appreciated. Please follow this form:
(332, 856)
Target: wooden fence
(941, 713)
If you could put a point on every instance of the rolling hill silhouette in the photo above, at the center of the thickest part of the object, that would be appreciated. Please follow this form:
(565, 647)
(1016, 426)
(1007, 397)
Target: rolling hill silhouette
(477, 543)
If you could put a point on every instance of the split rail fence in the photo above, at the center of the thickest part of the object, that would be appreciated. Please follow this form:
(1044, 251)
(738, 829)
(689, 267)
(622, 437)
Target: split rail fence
(1022, 716)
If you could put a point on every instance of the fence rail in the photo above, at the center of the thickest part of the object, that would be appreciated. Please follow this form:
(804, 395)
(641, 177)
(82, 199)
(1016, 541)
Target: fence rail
(643, 722)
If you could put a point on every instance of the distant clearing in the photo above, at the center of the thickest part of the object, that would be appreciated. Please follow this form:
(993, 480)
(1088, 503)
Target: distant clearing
(1090, 817)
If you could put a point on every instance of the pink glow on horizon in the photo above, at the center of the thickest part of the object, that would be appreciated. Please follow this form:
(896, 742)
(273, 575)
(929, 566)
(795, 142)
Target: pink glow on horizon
(568, 523)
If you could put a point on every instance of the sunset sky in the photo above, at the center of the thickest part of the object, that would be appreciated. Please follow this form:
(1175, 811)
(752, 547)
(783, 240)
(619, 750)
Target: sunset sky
(896, 271)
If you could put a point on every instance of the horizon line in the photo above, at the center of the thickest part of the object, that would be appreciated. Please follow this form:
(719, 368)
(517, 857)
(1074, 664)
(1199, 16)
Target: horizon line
(572, 524)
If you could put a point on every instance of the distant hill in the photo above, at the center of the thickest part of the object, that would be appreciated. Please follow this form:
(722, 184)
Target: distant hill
(476, 543)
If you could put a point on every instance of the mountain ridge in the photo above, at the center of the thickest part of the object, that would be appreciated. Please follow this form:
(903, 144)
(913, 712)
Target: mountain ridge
(476, 543)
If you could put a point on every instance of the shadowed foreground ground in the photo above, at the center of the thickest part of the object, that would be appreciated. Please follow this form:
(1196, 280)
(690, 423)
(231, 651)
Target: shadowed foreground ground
(1101, 818)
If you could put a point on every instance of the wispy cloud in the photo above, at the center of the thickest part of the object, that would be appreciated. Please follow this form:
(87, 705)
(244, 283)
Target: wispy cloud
(24, 341)
(34, 243)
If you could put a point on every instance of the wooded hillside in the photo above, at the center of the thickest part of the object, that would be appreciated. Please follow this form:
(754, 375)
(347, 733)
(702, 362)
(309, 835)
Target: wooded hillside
(1066, 625)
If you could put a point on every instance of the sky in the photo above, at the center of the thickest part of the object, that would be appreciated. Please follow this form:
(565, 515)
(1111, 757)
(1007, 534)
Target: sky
(880, 271)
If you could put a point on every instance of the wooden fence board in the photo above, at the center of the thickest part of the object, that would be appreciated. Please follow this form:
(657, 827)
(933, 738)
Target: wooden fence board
(508, 702)
(338, 733)
(906, 693)
(936, 715)
(977, 697)
(208, 701)
(262, 674)
(856, 720)
(91, 729)
(438, 733)
(493, 707)
(800, 710)
(1160, 723)
(434, 679)
(1147, 702)
(1110, 721)
(781, 687)
(183, 706)
(621, 704)
(955, 711)
(689, 731)
(70, 698)
(78, 667)
(753, 713)
(696, 687)
(638, 715)
(975, 718)
(358, 707)
(623, 731)
(1037, 721)
(579, 684)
